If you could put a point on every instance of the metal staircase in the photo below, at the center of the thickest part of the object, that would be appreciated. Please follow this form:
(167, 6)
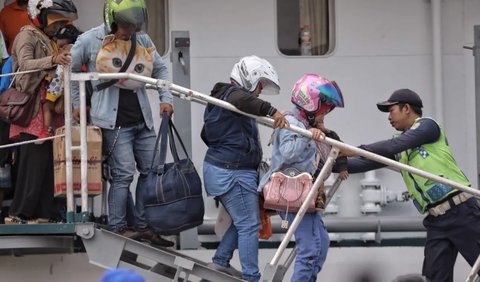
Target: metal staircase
(109, 250)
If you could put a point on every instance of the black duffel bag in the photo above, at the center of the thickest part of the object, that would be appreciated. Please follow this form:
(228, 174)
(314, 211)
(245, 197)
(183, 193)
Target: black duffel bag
(173, 195)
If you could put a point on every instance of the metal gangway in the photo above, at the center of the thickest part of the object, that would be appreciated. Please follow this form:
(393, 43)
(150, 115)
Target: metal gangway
(109, 250)
(274, 271)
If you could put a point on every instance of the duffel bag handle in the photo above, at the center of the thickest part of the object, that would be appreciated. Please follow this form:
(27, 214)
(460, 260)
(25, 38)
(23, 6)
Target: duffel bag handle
(162, 140)
(173, 148)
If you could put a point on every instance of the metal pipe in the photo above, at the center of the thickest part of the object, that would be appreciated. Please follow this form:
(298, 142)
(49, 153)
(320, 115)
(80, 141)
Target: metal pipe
(437, 58)
(68, 146)
(476, 54)
(333, 190)
(189, 94)
(473, 273)
(346, 224)
(83, 149)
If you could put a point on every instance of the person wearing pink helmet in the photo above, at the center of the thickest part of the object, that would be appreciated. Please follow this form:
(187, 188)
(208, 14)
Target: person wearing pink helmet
(313, 97)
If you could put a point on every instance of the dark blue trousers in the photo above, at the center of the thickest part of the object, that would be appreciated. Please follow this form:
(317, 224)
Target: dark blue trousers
(458, 230)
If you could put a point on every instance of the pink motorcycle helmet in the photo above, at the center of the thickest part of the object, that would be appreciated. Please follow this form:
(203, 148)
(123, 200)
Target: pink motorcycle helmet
(313, 92)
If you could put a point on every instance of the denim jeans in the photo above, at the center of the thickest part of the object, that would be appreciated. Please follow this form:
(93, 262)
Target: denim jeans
(242, 205)
(125, 148)
(312, 243)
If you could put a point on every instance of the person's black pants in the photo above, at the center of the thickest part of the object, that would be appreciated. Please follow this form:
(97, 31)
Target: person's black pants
(34, 188)
(458, 230)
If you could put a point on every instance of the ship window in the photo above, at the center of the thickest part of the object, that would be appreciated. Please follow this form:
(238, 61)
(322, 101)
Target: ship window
(158, 24)
(305, 27)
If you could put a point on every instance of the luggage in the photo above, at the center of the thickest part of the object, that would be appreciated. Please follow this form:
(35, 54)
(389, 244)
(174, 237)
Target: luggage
(173, 197)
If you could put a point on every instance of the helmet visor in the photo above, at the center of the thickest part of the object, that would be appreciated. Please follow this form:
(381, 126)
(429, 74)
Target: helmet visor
(136, 16)
(331, 94)
(57, 15)
(269, 87)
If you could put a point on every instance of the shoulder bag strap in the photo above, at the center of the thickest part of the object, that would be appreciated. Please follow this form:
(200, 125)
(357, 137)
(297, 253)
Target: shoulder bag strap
(13, 80)
(125, 65)
(162, 140)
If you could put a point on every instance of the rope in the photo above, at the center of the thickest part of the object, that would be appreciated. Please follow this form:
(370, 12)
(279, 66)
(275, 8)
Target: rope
(31, 141)
(22, 72)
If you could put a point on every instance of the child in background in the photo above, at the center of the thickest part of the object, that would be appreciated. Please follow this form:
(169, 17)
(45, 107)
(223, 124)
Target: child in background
(65, 38)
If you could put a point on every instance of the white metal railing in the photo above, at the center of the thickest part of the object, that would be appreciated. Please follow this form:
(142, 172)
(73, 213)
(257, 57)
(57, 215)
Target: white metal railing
(188, 94)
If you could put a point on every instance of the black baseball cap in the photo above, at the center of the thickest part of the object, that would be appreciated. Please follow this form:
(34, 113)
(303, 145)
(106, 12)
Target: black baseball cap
(405, 96)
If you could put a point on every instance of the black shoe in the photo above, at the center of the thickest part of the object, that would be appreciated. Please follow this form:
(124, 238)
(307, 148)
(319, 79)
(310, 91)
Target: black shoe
(148, 236)
(128, 232)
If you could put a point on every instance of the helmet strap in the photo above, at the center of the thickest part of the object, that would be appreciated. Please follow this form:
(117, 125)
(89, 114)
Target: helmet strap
(311, 119)
(37, 23)
(113, 28)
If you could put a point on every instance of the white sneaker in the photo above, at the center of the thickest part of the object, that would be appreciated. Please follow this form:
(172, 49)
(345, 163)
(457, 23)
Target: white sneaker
(228, 270)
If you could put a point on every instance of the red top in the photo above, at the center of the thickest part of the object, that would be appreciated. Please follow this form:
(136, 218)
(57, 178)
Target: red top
(12, 19)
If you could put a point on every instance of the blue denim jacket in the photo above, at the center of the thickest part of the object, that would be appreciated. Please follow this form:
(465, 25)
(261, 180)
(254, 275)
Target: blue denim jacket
(290, 150)
(105, 102)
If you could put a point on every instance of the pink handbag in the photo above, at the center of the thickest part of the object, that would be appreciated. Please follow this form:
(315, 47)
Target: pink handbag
(288, 192)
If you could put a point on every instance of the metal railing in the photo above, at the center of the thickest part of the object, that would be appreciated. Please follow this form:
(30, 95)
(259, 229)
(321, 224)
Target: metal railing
(191, 95)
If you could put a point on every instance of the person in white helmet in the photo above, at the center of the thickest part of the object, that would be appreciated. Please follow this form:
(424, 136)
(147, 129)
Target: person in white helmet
(233, 156)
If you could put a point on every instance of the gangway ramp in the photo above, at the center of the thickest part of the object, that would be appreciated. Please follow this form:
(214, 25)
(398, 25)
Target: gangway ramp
(109, 250)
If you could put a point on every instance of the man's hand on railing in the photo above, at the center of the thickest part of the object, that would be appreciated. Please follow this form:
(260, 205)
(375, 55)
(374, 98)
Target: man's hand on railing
(343, 175)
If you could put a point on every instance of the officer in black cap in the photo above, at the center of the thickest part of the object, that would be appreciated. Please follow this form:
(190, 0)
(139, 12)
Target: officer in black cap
(452, 216)
(405, 96)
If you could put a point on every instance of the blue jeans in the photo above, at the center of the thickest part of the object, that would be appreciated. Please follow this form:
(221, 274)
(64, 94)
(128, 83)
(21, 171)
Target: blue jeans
(242, 205)
(129, 146)
(312, 243)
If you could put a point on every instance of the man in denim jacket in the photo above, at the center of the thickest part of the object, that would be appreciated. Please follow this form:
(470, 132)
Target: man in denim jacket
(124, 115)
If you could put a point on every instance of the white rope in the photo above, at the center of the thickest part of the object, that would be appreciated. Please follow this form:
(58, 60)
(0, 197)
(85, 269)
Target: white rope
(31, 141)
(22, 72)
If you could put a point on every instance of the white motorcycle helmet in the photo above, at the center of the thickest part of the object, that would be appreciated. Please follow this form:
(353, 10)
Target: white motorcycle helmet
(252, 70)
